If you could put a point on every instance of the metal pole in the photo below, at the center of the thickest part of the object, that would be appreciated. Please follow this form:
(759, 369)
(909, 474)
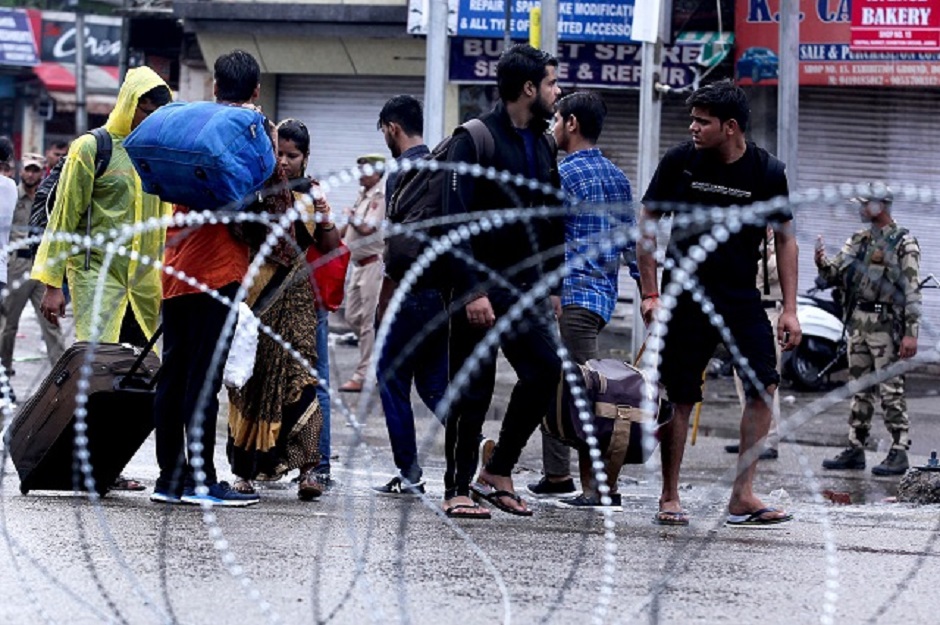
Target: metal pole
(81, 116)
(507, 28)
(788, 90)
(435, 85)
(124, 58)
(648, 141)
(550, 26)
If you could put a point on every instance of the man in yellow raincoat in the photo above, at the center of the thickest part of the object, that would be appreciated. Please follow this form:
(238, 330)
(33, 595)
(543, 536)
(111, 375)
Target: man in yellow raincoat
(131, 294)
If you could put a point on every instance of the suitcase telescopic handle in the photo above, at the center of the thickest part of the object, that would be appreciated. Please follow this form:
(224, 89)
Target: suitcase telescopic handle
(140, 359)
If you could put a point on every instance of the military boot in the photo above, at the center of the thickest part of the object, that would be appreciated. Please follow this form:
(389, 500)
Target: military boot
(851, 458)
(895, 464)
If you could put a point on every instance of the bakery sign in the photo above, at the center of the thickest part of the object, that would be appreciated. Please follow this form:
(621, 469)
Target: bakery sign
(896, 25)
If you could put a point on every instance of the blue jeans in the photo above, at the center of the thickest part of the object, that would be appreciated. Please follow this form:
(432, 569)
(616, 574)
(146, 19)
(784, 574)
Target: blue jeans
(415, 349)
(323, 393)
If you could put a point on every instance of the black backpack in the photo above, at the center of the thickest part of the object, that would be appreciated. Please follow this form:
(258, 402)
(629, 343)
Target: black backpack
(419, 195)
(44, 201)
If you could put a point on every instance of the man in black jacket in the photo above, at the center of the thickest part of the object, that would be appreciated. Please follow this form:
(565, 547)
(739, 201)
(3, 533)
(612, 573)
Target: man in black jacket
(520, 252)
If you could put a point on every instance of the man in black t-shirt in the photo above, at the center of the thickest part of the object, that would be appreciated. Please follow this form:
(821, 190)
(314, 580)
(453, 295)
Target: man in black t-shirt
(717, 170)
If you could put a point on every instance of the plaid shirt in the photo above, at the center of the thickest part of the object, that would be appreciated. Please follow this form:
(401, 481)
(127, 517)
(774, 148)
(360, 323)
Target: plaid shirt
(599, 201)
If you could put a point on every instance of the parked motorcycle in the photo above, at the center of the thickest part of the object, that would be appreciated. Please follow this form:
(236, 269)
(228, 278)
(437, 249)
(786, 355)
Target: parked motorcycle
(823, 349)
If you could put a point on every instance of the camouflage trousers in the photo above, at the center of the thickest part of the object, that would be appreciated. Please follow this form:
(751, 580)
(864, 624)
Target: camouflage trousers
(873, 347)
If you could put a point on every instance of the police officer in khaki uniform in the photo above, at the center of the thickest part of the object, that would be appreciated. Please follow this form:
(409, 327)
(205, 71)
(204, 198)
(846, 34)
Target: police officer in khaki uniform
(878, 267)
(365, 280)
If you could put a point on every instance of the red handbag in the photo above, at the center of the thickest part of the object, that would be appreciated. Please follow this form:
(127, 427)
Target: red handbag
(328, 277)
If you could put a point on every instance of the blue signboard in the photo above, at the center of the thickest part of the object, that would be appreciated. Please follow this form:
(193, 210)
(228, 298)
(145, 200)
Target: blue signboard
(578, 20)
(17, 45)
(609, 65)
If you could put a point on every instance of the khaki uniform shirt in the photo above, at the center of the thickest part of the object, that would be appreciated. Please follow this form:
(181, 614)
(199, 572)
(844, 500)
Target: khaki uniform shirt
(887, 265)
(370, 208)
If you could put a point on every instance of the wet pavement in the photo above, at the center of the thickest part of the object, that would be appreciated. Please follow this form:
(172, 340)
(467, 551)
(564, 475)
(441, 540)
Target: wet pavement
(357, 557)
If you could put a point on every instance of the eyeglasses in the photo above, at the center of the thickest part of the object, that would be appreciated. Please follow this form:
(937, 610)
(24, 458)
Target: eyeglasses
(146, 112)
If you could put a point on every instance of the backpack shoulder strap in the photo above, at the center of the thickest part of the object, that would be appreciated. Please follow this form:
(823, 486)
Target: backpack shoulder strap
(104, 146)
(482, 139)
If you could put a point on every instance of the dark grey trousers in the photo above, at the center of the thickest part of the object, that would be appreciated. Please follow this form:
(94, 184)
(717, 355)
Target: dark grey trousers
(579, 330)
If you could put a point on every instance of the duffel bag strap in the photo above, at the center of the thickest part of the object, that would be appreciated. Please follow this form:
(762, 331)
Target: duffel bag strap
(616, 452)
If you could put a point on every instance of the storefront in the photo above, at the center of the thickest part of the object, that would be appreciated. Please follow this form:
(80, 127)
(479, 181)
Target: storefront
(612, 70)
(341, 114)
(863, 116)
(18, 54)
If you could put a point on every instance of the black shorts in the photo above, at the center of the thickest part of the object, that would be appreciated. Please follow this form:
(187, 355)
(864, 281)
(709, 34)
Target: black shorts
(691, 340)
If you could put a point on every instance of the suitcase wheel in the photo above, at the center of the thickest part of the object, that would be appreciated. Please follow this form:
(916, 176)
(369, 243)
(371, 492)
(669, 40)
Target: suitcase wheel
(23, 490)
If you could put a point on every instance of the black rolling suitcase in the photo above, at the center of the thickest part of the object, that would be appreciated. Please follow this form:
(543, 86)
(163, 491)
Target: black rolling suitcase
(119, 418)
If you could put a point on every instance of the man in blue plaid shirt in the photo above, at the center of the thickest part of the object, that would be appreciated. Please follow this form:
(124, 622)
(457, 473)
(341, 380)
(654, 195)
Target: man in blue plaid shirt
(600, 205)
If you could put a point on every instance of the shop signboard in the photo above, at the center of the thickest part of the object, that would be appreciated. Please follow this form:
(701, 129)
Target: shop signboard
(102, 38)
(608, 65)
(896, 25)
(578, 20)
(17, 43)
(826, 53)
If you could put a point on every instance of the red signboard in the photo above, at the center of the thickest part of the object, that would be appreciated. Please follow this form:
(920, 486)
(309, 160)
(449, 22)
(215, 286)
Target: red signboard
(896, 25)
(826, 54)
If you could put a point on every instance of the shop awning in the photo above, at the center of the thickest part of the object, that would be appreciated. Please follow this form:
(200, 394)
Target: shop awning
(101, 86)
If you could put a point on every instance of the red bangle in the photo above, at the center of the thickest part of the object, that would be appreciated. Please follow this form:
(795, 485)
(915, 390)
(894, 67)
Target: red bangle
(650, 296)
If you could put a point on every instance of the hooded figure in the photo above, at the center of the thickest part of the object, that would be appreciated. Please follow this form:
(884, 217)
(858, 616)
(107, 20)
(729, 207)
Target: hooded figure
(116, 200)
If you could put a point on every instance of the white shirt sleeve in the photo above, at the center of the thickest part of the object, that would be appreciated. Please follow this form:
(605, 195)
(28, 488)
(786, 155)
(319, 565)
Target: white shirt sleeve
(7, 205)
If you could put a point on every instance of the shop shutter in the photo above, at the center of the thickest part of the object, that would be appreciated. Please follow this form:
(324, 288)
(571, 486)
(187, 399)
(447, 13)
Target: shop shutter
(621, 129)
(852, 135)
(341, 113)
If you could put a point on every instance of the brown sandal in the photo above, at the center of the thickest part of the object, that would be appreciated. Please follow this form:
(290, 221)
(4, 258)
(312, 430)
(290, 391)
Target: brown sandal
(244, 487)
(309, 486)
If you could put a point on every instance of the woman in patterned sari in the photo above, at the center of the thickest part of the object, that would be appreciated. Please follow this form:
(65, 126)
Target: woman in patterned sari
(275, 420)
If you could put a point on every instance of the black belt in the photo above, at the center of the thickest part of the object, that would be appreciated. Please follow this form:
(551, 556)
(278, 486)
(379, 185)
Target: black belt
(769, 303)
(23, 253)
(874, 307)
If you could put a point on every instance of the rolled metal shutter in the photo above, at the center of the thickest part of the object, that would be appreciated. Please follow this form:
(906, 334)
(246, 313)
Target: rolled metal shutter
(619, 140)
(850, 135)
(341, 113)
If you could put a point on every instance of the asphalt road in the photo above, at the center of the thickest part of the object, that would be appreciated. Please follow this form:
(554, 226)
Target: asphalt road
(357, 557)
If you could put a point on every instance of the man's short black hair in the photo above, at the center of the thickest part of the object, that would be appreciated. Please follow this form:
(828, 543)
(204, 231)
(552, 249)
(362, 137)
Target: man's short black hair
(6, 149)
(237, 75)
(723, 99)
(158, 96)
(588, 108)
(518, 65)
(62, 145)
(404, 110)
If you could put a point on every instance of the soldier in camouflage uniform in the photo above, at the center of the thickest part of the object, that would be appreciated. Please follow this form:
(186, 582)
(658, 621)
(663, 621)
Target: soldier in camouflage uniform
(878, 268)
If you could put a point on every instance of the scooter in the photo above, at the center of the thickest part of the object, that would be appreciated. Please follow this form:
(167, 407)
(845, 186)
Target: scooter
(823, 349)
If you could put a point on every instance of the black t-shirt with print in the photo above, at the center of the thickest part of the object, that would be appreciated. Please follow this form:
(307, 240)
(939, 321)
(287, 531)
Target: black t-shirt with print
(696, 179)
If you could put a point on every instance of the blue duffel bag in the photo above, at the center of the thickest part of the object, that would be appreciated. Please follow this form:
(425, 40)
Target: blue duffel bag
(203, 155)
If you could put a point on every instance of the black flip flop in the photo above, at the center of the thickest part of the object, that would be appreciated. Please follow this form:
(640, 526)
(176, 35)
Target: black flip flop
(494, 498)
(459, 511)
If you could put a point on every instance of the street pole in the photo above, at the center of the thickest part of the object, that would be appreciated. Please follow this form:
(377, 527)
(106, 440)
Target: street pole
(550, 26)
(651, 109)
(435, 85)
(507, 28)
(788, 90)
(123, 60)
(81, 116)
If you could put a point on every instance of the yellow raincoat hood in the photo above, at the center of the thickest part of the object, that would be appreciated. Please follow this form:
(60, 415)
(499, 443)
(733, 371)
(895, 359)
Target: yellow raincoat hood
(115, 199)
(139, 81)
